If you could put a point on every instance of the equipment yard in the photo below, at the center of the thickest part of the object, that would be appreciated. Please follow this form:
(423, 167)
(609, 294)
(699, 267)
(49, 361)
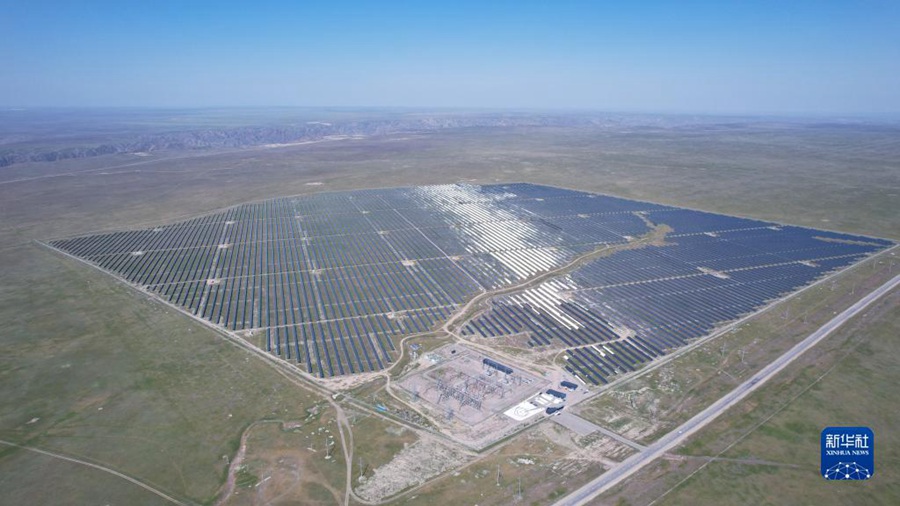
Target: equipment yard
(466, 395)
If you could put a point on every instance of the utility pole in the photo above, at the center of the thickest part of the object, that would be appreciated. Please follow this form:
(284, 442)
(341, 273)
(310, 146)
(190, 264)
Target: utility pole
(498, 474)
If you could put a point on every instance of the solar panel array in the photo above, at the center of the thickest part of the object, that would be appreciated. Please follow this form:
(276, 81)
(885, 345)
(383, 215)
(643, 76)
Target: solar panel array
(618, 312)
(334, 279)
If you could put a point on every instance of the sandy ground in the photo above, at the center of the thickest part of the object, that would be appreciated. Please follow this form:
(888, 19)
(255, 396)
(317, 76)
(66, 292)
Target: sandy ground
(414, 465)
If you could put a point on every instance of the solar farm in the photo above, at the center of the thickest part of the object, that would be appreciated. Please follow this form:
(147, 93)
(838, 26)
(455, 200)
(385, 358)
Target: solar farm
(332, 281)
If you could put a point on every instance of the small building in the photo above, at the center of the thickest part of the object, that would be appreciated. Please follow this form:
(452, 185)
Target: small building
(557, 394)
(568, 385)
(552, 410)
(497, 365)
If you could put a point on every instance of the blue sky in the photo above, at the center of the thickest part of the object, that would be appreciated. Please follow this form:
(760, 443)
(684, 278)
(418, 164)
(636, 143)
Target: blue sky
(780, 57)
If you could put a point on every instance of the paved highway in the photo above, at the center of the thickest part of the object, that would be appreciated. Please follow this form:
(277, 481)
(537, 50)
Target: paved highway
(630, 465)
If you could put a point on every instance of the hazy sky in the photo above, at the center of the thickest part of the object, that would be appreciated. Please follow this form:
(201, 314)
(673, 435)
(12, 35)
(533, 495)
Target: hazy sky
(786, 56)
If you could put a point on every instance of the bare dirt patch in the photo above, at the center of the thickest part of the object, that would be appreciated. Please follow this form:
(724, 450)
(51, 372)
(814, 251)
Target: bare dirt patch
(287, 463)
(413, 466)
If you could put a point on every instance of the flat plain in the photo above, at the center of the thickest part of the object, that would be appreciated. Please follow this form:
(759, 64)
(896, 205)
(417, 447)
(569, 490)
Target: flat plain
(93, 370)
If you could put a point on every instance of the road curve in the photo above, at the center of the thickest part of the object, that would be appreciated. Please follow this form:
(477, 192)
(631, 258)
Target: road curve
(632, 464)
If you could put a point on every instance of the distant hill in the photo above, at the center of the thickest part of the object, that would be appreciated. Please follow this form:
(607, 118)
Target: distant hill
(46, 135)
(18, 148)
